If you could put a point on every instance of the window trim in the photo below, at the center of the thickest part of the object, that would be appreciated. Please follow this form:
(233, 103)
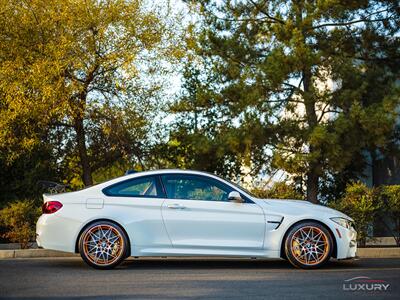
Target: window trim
(244, 197)
(160, 191)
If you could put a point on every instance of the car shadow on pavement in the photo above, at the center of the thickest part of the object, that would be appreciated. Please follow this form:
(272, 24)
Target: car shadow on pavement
(201, 263)
(222, 264)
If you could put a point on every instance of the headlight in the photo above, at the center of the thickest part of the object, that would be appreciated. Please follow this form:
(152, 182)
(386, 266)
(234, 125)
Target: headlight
(343, 222)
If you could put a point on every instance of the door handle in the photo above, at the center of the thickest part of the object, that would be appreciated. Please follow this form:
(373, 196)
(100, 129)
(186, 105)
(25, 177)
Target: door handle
(176, 206)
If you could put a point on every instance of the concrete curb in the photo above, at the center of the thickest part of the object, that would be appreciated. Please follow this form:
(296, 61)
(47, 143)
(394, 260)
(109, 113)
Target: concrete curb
(32, 253)
(379, 252)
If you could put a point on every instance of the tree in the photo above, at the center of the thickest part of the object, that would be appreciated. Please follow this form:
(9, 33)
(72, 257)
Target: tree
(19, 178)
(82, 75)
(203, 136)
(319, 76)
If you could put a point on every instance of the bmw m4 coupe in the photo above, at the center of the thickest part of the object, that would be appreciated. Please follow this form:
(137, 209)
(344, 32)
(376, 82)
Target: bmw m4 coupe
(189, 213)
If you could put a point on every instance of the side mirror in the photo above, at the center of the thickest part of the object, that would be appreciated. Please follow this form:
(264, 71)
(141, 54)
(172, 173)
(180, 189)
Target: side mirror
(235, 197)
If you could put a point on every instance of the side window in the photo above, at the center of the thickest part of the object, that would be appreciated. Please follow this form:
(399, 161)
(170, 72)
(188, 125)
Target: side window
(193, 187)
(138, 187)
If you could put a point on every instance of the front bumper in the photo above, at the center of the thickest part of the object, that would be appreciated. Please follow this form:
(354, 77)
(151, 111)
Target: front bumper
(346, 242)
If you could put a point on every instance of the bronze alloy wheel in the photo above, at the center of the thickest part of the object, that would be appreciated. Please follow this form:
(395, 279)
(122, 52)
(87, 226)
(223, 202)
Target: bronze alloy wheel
(103, 245)
(308, 245)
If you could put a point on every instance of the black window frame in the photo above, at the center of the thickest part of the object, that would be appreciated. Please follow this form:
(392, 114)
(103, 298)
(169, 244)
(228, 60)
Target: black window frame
(244, 197)
(159, 188)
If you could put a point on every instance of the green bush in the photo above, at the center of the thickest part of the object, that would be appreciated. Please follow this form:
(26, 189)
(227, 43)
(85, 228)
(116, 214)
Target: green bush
(279, 190)
(362, 204)
(390, 216)
(19, 218)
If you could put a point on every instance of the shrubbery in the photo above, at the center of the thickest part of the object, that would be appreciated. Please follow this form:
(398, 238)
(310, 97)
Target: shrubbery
(390, 201)
(379, 205)
(362, 204)
(279, 190)
(19, 218)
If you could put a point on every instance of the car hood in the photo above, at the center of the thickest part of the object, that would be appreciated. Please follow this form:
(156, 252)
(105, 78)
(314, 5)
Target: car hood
(300, 206)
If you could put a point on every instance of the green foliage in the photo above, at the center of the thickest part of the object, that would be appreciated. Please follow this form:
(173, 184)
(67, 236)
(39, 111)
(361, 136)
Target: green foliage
(279, 190)
(20, 218)
(367, 205)
(84, 78)
(20, 177)
(390, 197)
(114, 170)
(311, 86)
(362, 204)
(204, 136)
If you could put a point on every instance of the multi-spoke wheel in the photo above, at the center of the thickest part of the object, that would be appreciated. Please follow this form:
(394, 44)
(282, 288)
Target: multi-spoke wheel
(308, 245)
(103, 245)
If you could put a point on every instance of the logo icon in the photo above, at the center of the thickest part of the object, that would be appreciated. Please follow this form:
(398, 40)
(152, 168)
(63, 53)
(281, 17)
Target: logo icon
(364, 283)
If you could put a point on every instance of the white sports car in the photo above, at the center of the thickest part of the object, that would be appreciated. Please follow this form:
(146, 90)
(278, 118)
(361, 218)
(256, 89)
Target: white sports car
(189, 213)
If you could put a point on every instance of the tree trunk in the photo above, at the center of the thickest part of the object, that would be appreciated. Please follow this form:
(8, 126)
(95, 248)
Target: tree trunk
(310, 113)
(312, 187)
(312, 121)
(83, 156)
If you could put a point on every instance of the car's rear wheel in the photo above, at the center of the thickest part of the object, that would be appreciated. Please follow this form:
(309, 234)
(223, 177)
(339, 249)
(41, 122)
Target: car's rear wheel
(308, 245)
(103, 245)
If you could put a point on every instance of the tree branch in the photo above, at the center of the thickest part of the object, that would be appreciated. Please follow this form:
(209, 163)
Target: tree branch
(362, 20)
(296, 88)
(276, 20)
(246, 19)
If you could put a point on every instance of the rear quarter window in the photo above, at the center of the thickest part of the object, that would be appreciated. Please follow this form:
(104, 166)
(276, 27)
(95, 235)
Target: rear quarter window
(137, 187)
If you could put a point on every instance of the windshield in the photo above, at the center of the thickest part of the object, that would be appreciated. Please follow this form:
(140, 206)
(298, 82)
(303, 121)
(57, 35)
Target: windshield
(242, 189)
(237, 186)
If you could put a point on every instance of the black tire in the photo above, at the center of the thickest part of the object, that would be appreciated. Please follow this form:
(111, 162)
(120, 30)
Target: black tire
(103, 245)
(308, 245)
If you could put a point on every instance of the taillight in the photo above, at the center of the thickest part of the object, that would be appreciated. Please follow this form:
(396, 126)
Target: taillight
(50, 207)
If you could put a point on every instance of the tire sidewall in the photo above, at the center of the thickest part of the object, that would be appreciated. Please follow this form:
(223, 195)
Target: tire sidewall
(123, 255)
(288, 251)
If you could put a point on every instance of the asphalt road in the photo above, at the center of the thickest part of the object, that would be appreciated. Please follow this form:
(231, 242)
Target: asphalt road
(66, 278)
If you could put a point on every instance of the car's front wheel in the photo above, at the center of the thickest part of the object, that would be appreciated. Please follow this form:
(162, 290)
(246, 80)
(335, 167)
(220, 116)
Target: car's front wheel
(308, 245)
(103, 245)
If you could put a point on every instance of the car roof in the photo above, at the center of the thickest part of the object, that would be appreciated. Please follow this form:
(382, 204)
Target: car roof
(169, 171)
(153, 172)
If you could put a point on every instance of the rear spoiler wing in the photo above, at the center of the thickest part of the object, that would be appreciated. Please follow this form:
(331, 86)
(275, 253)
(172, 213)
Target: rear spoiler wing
(46, 198)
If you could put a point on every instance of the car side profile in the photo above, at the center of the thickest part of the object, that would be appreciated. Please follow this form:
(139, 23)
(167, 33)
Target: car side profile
(189, 213)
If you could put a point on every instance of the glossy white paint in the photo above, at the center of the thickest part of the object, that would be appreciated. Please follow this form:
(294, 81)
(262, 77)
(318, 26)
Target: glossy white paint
(206, 224)
(176, 227)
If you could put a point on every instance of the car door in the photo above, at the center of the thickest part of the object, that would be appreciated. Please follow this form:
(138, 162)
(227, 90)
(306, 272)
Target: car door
(197, 214)
(136, 202)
